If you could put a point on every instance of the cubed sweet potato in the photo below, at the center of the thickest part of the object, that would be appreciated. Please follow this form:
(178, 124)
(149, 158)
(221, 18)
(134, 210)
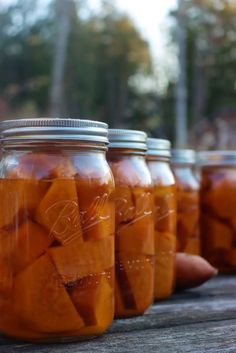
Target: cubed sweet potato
(79, 259)
(215, 235)
(165, 208)
(139, 270)
(193, 247)
(41, 301)
(136, 237)
(31, 241)
(19, 198)
(119, 306)
(12, 326)
(125, 208)
(59, 211)
(221, 198)
(97, 208)
(165, 248)
(93, 299)
(230, 257)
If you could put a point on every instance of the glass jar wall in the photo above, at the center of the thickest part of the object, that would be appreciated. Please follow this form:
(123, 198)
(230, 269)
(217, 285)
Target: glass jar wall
(158, 159)
(56, 230)
(134, 234)
(188, 228)
(218, 205)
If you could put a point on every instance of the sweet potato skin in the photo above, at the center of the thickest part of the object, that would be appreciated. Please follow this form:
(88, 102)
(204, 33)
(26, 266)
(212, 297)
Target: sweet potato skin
(192, 271)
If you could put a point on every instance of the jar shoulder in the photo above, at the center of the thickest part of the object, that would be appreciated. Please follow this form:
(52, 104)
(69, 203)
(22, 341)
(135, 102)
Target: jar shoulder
(161, 173)
(130, 171)
(58, 164)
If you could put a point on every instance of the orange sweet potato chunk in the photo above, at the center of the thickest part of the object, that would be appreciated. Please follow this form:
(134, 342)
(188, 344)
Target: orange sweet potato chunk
(143, 202)
(97, 208)
(221, 198)
(136, 237)
(193, 246)
(93, 299)
(139, 270)
(119, 306)
(125, 207)
(12, 326)
(59, 212)
(41, 301)
(31, 242)
(18, 199)
(6, 279)
(216, 235)
(79, 259)
(165, 246)
(230, 257)
(188, 218)
(40, 165)
(7, 247)
(165, 208)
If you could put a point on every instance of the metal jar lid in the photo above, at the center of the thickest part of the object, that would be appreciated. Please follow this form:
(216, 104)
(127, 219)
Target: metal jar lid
(133, 139)
(183, 156)
(158, 147)
(216, 158)
(53, 129)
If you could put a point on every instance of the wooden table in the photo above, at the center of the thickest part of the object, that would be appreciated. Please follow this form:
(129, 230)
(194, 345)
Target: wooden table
(200, 320)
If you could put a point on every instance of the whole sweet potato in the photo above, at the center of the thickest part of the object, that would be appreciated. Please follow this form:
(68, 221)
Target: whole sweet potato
(192, 271)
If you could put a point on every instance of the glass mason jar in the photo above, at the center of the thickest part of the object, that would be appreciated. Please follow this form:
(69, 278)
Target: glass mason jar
(158, 160)
(57, 230)
(134, 234)
(188, 204)
(218, 205)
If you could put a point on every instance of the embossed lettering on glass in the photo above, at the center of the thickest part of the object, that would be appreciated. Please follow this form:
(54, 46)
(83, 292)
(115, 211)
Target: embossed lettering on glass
(158, 160)
(188, 203)
(57, 219)
(134, 234)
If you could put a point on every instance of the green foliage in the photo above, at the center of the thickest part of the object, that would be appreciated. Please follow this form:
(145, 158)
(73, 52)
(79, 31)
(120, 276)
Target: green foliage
(104, 52)
(211, 56)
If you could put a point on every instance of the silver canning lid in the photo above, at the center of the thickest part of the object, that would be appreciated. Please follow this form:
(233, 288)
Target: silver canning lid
(183, 156)
(158, 147)
(53, 129)
(216, 158)
(133, 139)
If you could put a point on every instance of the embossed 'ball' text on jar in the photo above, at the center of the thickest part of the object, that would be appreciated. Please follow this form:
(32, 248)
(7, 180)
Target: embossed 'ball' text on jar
(188, 204)
(218, 208)
(56, 230)
(134, 235)
(158, 160)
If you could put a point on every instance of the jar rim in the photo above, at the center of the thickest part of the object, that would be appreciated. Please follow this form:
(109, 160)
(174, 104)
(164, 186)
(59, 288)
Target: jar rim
(216, 158)
(52, 129)
(129, 139)
(183, 156)
(158, 147)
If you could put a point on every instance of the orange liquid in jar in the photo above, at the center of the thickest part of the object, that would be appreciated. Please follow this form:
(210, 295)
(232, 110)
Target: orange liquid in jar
(56, 250)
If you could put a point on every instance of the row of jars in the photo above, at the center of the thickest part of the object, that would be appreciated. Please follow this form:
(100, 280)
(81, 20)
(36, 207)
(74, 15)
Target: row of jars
(64, 197)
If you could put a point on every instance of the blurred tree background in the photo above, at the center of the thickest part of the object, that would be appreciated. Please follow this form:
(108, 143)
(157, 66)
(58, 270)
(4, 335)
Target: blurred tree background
(74, 62)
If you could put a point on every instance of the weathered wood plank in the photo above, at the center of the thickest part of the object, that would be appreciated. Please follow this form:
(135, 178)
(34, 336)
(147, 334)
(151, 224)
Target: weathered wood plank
(216, 337)
(180, 314)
